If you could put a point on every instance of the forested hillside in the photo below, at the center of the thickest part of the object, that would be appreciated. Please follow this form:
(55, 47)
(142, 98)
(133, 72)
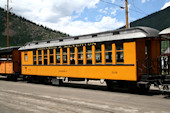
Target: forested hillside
(23, 31)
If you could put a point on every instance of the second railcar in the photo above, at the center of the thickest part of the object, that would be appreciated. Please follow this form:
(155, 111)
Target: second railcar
(10, 62)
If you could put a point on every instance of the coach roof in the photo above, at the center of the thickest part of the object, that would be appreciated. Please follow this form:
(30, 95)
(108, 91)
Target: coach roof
(121, 34)
(8, 49)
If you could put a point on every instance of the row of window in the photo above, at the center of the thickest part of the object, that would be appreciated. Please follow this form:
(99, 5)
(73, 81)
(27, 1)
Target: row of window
(80, 55)
(4, 57)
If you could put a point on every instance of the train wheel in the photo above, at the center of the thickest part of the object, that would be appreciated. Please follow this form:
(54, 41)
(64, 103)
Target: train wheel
(110, 85)
(29, 79)
(9, 77)
(132, 87)
(14, 77)
(57, 82)
(143, 89)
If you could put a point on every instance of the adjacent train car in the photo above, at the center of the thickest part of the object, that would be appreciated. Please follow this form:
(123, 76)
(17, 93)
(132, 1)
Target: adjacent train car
(121, 56)
(10, 62)
(165, 34)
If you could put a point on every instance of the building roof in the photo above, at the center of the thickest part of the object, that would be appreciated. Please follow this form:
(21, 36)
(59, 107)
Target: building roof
(8, 49)
(167, 52)
(121, 34)
(165, 31)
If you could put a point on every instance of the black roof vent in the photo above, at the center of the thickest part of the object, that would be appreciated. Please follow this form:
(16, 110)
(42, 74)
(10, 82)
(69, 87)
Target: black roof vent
(95, 35)
(36, 43)
(48, 41)
(76, 38)
(116, 33)
(61, 40)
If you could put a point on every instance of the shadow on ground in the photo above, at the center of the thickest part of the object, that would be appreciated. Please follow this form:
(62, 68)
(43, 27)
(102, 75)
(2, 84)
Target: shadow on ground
(96, 87)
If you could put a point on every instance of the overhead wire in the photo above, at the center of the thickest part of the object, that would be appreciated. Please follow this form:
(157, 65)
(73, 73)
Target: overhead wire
(143, 13)
(137, 8)
(112, 4)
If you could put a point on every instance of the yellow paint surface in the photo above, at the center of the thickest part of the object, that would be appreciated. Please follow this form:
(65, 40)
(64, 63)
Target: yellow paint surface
(6, 68)
(30, 58)
(95, 72)
(124, 71)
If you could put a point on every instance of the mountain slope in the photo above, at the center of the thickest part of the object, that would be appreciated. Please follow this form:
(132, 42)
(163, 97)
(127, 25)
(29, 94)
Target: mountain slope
(23, 31)
(158, 20)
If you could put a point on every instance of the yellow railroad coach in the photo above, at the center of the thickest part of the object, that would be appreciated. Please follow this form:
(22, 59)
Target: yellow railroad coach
(121, 56)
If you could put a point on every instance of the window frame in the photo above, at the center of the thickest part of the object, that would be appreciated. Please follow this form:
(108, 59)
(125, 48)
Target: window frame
(51, 56)
(34, 57)
(119, 50)
(98, 52)
(45, 56)
(107, 51)
(80, 53)
(89, 52)
(72, 53)
(65, 55)
(58, 54)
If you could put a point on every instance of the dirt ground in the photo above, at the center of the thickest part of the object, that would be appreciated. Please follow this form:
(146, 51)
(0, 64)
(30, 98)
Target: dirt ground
(22, 97)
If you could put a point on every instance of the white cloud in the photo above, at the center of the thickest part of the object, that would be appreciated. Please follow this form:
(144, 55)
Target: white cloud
(49, 10)
(165, 5)
(103, 11)
(113, 1)
(57, 14)
(114, 12)
(86, 18)
(80, 27)
(143, 1)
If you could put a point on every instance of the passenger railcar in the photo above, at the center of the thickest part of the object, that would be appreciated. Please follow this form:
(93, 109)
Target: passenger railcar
(10, 62)
(128, 58)
(121, 56)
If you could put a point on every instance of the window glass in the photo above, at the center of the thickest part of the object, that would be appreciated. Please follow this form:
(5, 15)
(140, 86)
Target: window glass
(98, 53)
(45, 57)
(58, 55)
(108, 52)
(45, 61)
(26, 57)
(39, 57)
(51, 51)
(34, 52)
(119, 46)
(119, 52)
(51, 56)
(45, 52)
(34, 58)
(89, 54)
(40, 62)
(64, 50)
(64, 55)
(39, 52)
(51, 59)
(80, 55)
(72, 55)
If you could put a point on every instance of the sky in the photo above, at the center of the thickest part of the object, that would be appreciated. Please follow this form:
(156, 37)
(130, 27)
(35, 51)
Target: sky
(78, 17)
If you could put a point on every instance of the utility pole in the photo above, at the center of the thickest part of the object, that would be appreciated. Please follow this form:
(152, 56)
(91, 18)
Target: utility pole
(8, 10)
(7, 23)
(126, 10)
